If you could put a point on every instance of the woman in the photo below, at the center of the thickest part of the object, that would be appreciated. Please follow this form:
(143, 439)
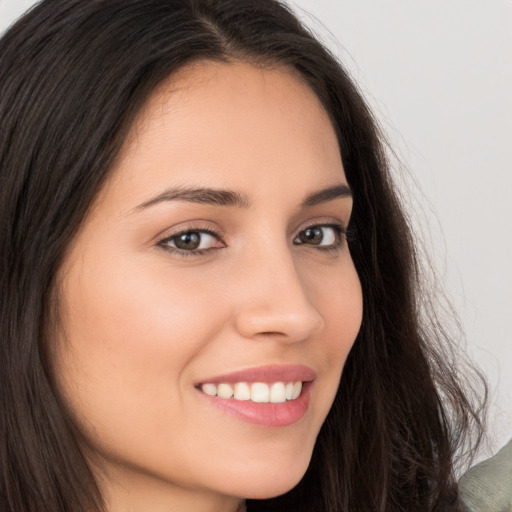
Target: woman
(200, 239)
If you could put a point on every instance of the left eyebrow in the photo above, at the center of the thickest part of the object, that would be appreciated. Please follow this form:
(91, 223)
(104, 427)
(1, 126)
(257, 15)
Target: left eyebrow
(324, 195)
(220, 197)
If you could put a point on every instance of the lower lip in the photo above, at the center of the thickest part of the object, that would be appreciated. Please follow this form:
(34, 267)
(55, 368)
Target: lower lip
(265, 414)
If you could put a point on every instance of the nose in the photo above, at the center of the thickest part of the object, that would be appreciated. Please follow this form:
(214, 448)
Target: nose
(273, 302)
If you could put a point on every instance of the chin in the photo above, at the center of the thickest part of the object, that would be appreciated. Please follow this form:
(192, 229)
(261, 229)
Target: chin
(268, 481)
(266, 489)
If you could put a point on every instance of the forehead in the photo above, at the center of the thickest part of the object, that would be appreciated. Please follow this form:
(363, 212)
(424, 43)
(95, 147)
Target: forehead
(216, 124)
(230, 86)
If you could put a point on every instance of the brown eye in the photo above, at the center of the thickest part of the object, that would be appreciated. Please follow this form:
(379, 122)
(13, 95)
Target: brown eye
(188, 241)
(312, 236)
(320, 235)
(191, 241)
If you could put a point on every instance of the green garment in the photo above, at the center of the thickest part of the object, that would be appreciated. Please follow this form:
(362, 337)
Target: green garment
(487, 487)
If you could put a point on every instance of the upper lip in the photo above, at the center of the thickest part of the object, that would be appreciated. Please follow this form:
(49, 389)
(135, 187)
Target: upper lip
(267, 374)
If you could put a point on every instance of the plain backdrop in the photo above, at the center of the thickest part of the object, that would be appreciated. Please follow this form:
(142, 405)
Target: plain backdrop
(438, 75)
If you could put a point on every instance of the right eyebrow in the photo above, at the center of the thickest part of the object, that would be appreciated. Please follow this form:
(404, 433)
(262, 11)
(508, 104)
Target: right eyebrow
(200, 195)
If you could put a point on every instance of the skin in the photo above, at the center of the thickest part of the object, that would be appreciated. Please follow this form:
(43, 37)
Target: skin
(142, 324)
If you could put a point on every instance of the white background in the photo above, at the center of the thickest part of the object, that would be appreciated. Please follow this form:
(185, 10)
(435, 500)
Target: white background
(438, 74)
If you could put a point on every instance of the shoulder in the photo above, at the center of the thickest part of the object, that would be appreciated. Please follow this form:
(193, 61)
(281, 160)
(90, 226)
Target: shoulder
(487, 487)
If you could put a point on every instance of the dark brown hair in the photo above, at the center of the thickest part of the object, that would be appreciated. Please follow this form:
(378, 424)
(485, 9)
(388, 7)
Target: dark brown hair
(73, 75)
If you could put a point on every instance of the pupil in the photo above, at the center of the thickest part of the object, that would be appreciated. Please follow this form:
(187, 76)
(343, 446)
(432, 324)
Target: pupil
(313, 235)
(188, 241)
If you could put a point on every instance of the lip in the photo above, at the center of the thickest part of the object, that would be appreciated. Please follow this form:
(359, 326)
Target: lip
(266, 374)
(269, 415)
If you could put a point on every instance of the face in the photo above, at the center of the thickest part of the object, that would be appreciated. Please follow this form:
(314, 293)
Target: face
(209, 301)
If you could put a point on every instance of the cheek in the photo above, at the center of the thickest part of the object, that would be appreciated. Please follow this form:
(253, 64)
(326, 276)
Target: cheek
(129, 334)
(134, 311)
(337, 294)
(344, 311)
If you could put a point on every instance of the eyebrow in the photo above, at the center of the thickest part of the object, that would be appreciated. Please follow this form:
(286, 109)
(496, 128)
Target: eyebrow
(201, 195)
(220, 197)
(324, 195)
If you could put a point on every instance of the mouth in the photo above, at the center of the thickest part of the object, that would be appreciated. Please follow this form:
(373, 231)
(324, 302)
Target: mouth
(271, 396)
(257, 392)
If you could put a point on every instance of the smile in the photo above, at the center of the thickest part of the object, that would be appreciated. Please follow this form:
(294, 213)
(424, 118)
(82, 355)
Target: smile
(258, 392)
(267, 396)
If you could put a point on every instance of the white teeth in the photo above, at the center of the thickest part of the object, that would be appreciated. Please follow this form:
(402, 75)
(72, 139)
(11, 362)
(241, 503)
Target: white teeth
(297, 388)
(260, 392)
(289, 390)
(276, 392)
(209, 389)
(242, 391)
(224, 391)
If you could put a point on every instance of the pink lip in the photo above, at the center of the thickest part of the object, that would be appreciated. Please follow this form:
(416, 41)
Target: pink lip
(267, 374)
(266, 414)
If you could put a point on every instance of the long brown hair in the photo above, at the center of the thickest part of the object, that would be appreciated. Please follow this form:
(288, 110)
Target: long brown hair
(73, 75)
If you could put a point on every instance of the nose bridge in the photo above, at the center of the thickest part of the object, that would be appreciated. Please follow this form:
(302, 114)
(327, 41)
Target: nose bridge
(274, 300)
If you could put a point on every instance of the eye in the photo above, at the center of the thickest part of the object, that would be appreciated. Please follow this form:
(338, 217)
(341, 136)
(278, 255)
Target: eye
(192, 241)
(326, 236)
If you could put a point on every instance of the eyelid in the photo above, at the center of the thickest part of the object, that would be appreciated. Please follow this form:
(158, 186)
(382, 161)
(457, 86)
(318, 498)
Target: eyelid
(323, 222)
(335, 224)
(187, 228)
(192, 225)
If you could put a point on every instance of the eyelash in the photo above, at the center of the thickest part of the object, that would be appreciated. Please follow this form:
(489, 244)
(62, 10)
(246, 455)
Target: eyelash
(341, 234)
